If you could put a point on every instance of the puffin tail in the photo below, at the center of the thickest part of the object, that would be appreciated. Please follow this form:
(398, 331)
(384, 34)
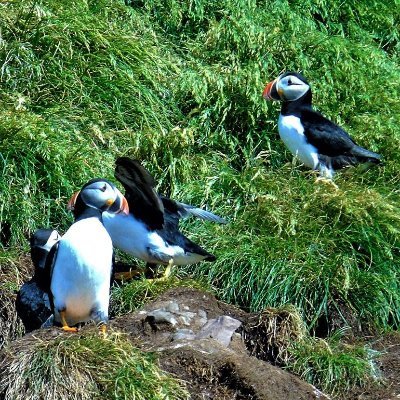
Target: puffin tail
(365, 155)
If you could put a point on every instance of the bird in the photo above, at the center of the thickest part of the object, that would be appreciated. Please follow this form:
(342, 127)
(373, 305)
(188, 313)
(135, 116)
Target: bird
(151, 230)
(32, 302)
(81, 267)
(319, 143)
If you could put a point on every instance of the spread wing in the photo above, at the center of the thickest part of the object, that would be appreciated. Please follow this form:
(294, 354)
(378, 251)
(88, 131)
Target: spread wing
(144, 202)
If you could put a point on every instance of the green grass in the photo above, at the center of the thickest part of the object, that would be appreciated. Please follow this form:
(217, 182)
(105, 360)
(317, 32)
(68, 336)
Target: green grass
(330, 365)
(130, 296)
(74, 90)
(85, 366)
(178, 85)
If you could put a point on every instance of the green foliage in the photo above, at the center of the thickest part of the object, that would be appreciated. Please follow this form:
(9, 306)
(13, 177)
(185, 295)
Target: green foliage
(73, 79)
(86, 367)
(133, 295)
(178, 85)
(331, 365)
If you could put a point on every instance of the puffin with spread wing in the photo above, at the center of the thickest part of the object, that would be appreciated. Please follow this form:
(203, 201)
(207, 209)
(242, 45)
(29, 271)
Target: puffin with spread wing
(151, 230)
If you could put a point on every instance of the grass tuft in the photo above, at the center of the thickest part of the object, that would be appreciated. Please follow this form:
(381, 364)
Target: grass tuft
(331, 365)
(14, 270)
(84, 366)
(269, 334)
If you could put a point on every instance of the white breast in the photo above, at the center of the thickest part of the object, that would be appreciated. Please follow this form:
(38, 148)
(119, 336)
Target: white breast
(132, 236)
(81, 276)
(291, 132)
(127, 234)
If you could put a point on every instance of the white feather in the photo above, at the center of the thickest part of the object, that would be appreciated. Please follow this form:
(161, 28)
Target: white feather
(291, 132)
(132, 236)
(81, 276)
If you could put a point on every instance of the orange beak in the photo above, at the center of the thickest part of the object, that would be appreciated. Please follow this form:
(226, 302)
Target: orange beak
(72, 201)
(124, 207)
(120, 205)
(270, 92)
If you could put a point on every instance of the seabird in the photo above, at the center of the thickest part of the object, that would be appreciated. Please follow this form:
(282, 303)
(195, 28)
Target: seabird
(151, 230)
(82, 265)
(318, 143)
(32, 302)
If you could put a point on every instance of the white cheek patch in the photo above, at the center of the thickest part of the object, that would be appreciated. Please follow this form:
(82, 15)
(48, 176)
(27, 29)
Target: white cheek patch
(291, 92)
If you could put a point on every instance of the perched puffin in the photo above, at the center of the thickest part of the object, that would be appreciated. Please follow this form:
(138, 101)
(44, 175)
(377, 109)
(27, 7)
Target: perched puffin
(32, 302)
(82, 265)
(317, 142)
(151, 231)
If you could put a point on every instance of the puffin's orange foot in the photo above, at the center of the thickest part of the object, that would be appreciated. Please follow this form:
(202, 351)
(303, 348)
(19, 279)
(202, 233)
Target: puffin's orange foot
(67, 328)
(103, 330)
(166, 274)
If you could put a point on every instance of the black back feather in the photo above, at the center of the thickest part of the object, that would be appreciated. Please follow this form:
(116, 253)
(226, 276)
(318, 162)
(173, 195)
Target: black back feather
(144, 202)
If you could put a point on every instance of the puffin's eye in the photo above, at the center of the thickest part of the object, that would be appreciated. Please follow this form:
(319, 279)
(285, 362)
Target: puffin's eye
(289, 82)
(103, 188)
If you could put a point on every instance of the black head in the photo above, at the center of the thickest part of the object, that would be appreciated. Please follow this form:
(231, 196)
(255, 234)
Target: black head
(41, 243)
(98, 194)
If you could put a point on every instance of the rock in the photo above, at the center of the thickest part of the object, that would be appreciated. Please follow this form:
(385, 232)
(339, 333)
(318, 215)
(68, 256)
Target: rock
(181, 334)
(172, 307)
(220, 329)
(203, 348)
(161, 316)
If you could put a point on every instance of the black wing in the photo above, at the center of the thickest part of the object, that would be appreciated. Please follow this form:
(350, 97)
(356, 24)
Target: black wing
(333, 142)
(171, 234)
(327, 137)
(144, 202)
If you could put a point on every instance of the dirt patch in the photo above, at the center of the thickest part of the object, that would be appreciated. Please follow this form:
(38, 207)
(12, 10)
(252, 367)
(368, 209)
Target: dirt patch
(190, 329)
(224, 352)
(388, 369)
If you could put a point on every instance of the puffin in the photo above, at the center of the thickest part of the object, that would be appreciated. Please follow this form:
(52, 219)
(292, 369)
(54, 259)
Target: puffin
(319, 143)
(81, 267)
(32, 302)
(151, 230)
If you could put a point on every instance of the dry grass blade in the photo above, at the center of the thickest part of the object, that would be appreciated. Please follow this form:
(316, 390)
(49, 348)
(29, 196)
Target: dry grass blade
(269, 334)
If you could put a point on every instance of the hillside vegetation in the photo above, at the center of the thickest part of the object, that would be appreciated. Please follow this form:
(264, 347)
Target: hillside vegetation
(178, 85)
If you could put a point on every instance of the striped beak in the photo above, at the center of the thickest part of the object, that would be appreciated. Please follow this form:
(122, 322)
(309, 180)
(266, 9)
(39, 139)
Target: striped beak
(270, 92)
(72, 201)
(120, 205)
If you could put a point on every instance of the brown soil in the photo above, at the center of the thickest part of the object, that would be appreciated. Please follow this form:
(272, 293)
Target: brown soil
(233, 373)
(234, 365)
(212, 370)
